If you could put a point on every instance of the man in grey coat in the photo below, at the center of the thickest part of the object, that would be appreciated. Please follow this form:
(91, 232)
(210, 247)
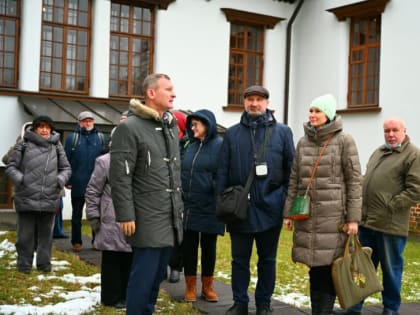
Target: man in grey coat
(145, 186)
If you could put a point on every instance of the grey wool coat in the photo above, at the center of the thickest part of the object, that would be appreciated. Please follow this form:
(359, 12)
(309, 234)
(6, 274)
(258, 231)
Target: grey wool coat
(335, 193)
(39, 169)
(145, 177)
(99, 206)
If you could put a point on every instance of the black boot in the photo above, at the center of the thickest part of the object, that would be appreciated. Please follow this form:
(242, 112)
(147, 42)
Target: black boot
(327, 304)
(316, 302)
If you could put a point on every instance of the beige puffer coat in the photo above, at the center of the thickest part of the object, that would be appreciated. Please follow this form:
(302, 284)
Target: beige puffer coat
(335, 193)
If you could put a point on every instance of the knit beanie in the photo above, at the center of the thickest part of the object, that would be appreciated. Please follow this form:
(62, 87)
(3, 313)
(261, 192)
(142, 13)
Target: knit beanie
(181, 120)
(326, 104)
(42, 119)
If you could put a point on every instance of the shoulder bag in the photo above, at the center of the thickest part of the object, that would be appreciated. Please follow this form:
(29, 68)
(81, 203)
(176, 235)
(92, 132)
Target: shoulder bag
(232, 203)
(301, 205)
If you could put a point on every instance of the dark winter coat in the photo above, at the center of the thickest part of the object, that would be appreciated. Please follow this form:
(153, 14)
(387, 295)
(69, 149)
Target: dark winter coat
(268, 194)
(199, 169)
(390, 188)
(145, 177)
(82, 158)
(335, 193)
(99, 207)
(39, 169)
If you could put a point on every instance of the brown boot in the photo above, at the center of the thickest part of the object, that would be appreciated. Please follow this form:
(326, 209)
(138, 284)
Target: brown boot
(191, 289)
(207, 291)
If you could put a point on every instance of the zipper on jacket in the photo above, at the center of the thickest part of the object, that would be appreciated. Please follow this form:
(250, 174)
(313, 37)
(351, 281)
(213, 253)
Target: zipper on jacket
(193, 162)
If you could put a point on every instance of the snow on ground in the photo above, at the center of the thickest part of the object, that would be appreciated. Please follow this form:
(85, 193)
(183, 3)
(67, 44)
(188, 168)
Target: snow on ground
(76, 302)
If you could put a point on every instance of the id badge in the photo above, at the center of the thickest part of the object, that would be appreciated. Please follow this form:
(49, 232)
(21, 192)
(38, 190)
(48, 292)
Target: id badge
(261, 169)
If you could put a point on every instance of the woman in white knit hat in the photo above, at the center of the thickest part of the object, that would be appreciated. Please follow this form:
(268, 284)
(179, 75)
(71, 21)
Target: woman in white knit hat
(335, 198)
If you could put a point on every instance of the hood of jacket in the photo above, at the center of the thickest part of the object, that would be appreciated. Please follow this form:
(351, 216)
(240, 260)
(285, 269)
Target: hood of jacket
(30, 135)
(141, 110)
(208, 118)
(322, 133)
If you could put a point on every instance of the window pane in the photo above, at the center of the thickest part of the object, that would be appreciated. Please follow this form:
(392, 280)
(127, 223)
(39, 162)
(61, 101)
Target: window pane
(58, 34)
(71, 52)
(10, 28)
(56, 81)
(58, 50)
(81, 68)
(9, 77)
(83, 19)
(70, 83)
(9, 44)
(9, 60)
(56, 66)
(81, 53)
(71, 68)
(71, 37)
(114, 42)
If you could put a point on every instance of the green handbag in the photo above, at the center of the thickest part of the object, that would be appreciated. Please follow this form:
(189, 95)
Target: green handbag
(300, 208)
(301, 205)
(354, 275)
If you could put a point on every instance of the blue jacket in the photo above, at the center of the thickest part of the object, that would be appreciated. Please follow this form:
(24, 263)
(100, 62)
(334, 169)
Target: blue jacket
(198, 175)
(267, 194)
(82, 158)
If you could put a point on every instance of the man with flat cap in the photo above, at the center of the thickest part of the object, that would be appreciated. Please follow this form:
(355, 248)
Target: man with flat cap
(261, 145)
(82, 147)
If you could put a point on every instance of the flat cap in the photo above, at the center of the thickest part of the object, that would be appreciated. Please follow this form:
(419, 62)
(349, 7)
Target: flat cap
(256, 90)
(84, 115)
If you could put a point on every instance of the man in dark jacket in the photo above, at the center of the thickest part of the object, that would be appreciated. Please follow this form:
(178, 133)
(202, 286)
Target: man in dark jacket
(145, 184)
(241, 152)
(391, 186)
(82, 147)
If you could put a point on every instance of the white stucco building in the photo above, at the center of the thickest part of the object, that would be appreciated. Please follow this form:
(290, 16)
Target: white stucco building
(85, 55)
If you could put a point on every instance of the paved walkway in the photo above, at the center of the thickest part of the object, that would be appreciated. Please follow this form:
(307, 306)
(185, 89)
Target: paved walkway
(176, 290)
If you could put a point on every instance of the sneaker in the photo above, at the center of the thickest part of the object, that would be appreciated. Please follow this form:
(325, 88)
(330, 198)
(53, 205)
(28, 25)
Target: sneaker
(77, 247)
(389, 312)
(237, 309)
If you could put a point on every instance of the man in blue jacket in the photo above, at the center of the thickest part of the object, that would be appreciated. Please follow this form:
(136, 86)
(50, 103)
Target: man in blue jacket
(240, 154)
(82, 147)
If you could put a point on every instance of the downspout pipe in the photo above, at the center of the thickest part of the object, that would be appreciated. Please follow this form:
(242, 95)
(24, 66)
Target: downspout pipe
(287, 66)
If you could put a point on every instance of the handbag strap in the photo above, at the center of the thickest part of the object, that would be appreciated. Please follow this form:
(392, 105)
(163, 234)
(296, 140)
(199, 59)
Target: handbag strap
(317, 163)
(356, 242)
(260, 153)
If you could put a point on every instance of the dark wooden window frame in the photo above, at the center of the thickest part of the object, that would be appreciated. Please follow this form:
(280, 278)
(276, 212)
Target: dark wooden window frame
(9, 17)
(131, 37)
(246, 19)
(362, 10)
(66, 27)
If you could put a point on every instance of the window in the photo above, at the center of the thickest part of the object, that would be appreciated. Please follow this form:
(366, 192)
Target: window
(364, 52)
(65, 45)
(131, 48)
(365, 45)
(9, 40)
(246, 58)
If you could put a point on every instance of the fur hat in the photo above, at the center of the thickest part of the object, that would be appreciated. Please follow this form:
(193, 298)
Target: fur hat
(42, 119)
(326, 104)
